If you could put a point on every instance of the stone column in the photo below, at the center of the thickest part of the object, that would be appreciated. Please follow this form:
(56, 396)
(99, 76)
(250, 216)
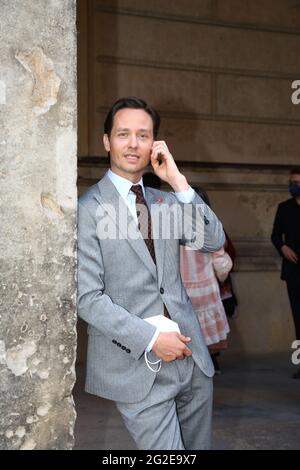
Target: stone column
(38, 135)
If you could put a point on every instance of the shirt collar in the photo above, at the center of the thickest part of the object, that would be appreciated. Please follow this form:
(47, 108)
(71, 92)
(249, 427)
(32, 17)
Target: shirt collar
(123, 185)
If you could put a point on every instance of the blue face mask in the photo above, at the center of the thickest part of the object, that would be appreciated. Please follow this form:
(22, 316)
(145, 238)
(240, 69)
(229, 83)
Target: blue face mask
(294, 189)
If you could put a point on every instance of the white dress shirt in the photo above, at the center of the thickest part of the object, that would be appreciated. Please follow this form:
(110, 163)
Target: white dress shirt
(123, 187)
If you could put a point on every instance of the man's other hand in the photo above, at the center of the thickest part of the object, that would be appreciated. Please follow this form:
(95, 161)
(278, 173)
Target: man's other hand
(289, 254)
(170, 346)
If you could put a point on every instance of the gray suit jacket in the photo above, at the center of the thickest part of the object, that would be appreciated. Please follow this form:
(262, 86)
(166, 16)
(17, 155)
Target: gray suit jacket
(119, 286)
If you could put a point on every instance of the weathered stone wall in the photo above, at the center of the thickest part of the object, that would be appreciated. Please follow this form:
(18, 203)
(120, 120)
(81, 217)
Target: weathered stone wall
(220, 73)
(37, 235)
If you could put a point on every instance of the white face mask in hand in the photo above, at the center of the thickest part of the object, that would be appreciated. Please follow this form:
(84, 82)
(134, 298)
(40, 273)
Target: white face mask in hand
(164, 324)
(149, 364)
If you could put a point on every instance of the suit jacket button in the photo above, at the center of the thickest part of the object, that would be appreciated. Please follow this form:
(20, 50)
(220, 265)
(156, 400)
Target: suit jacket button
(128, 351)
(161, 290)
(119, 345)
(114, 341)
(206, 221)
(123, 347)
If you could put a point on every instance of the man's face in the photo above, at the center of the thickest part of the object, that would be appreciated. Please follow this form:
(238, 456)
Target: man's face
(130, 143)
(295, 179)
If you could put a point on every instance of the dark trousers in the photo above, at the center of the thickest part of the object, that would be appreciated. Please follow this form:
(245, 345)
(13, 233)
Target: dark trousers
(293, 287)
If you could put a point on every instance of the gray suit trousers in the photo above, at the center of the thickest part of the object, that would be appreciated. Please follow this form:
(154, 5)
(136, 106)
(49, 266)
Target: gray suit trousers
(176, 413)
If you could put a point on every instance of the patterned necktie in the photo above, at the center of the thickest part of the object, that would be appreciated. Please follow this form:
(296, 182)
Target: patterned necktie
(144, 219)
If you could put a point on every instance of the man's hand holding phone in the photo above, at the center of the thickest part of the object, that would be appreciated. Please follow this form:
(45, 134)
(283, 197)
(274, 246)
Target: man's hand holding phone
(165, 167)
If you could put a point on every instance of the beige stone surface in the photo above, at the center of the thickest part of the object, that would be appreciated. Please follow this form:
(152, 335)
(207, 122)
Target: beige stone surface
(165, 89)
(256, 97)
(248, 213)
(196, 45)
(38, 216)
(273, 13)
(264, 321)
(46, 82)
(193, 8)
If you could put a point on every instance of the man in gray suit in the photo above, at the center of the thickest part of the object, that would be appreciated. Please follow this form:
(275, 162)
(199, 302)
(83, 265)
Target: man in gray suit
(160, 379)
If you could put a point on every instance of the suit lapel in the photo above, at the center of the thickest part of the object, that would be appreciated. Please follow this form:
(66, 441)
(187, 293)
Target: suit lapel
(113, 203)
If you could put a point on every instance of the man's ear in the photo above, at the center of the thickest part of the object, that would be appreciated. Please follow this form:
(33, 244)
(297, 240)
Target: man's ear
(106, 143)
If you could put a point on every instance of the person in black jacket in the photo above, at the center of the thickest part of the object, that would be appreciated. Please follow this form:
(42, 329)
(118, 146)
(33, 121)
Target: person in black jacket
(286, 239)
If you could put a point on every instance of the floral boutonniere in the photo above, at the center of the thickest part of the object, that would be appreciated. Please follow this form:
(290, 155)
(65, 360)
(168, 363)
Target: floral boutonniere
(159, 200)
